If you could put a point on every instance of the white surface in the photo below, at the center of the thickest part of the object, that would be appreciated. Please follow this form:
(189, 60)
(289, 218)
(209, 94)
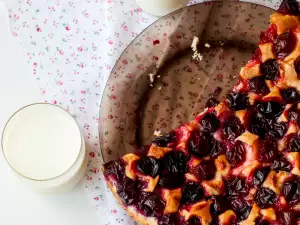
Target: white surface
(19, 205)
(41, 141)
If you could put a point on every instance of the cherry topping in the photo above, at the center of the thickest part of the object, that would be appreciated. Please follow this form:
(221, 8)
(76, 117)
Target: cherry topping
(284, 44)
(194, 220)
(258, 85)
(199, 144)
(217, 148)
(237, 186)
(219, 205)
(269, 35)
(148, 166)
(241, 207)
(206, 169)
(127, 191)
(260, 175)
(170, 219)
(287, 218)
(267, 151)
(151, 204)
(212, 102)
(297, 65)
(164, 140)
(270, 109)
(289, 7)
(173, 168)
(237, 101)
(294, 143)
(191, 192)
(293, 114)
(281, 164)
(209, 123)
(232, 128)
(114, 168)
(236, 156)
(291, 190)
(290, 95)
(265, 198)
(276, 130)
(270, 69)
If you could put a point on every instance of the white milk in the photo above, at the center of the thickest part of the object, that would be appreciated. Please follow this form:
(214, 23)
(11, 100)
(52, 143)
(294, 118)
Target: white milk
(161, 7)
(43, 144)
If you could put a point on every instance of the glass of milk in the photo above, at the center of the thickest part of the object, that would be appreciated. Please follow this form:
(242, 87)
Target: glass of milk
(42, 143)
(161, 7)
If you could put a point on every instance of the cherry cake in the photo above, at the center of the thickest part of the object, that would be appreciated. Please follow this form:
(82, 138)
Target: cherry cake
(238, 162)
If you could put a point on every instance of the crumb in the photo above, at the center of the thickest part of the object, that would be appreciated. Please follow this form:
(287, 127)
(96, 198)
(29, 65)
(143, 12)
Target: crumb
(157, 133)
(196, 55)
(158, 76)
(207, 45)
(194, 44)
(221, 43)
(159, 88)
(151, 77)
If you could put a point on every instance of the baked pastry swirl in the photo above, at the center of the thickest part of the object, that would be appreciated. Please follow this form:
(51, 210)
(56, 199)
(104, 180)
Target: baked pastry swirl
(237, 162)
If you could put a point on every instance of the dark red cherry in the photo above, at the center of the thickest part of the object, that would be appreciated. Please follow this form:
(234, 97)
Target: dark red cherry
(127, 191)
(194, 221)
(170, 219)
(164, 140)
(287, 218)
(219, 205)
(191, 192)
(232, 128)
(257, 124)
(293, 143)
(297, 65)
(270, 69)
(284, 44)
(291, 190)
(236, 155)
(200, 144)
(212, 102)
(260, 175)
(148, 166)
(217, 148)
(237, 100)
(241, 207)
(153, 205)
(270, 109)
(267, 151)
(258, 85)
(172, 169)
(276, 130)
(209, 123)
(237, 186)
(265, 198)
(290, 95)
(281, 164)
(290, 7)
(114, 168)
(206, 169)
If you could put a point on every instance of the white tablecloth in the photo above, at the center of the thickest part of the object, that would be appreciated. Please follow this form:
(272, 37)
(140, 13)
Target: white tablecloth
(71, 47)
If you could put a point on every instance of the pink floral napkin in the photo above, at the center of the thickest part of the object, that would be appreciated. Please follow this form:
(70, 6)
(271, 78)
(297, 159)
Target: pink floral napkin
(71, 47)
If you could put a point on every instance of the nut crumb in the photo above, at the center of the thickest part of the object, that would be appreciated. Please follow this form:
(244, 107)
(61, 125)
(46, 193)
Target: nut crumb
(207, 45)
(196, 55)
(159, 88)
(157, 133)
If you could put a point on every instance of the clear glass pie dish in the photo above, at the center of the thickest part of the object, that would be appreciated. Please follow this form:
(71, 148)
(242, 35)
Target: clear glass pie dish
(156, 85)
